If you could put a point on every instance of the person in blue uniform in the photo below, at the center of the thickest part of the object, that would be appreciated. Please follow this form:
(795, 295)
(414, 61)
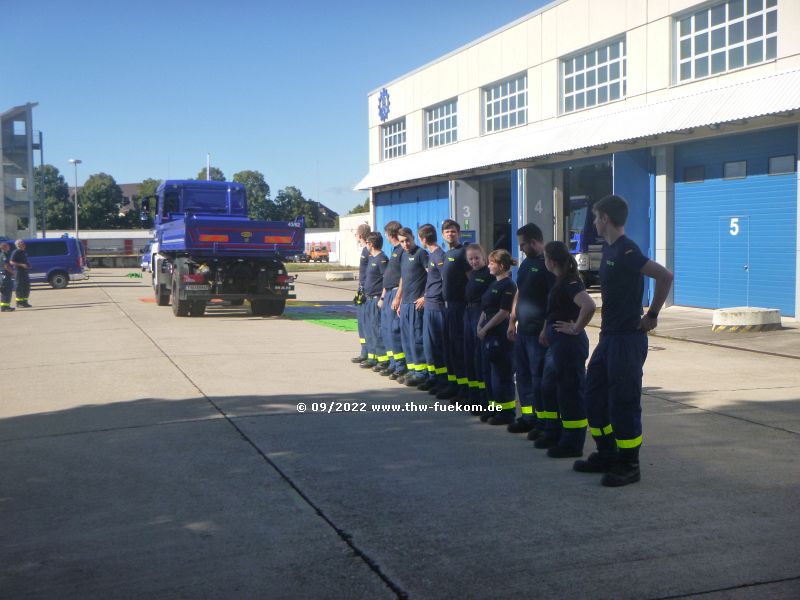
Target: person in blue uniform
(454, 283)
(433, 320)
(614, 375)
(6, 278)
(478, 282)
(390, 321)
(373, 289)
(496, 305)
(22, 270)
(361, 239)
(413, 276)
(534, 282)
(569, 310)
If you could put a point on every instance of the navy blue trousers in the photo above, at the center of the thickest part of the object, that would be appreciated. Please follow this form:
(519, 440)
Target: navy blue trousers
(499, 369)
(473, 356)
(433, 342)
(411, 322)
(390, 330)
(614, 389)
(372, 325)
(362, 335)
(563, 392)
(454, 345)
(6, 287)
(23, 285)
(529, 365)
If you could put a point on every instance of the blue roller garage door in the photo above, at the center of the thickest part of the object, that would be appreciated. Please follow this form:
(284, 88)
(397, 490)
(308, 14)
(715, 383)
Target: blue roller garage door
(413, 206)
(736, 221)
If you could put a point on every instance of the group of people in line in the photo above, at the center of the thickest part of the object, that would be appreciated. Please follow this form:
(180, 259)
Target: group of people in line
(14, 275)
(455, 323)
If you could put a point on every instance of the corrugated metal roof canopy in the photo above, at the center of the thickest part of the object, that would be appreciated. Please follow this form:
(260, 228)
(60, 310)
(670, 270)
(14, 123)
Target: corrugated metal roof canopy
(765, 96)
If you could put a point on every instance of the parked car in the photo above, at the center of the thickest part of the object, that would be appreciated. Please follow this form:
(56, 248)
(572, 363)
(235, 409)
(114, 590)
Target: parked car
(302, 257)
(319, 254)
(147, 253)
(56, 261)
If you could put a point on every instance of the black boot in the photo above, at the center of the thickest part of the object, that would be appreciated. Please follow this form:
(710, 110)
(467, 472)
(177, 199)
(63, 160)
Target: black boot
(570, 444)
(600, 461)
(504, 417)
(521, 426)
(626, 469)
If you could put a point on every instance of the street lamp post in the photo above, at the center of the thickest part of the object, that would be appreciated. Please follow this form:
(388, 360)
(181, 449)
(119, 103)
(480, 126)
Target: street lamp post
(76, 162)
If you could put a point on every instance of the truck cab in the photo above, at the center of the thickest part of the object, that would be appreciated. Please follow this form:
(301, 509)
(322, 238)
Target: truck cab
(584, 243)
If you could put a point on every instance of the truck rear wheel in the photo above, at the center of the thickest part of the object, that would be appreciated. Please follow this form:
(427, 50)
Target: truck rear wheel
(197, 308)
(268, 308)
(180, 308)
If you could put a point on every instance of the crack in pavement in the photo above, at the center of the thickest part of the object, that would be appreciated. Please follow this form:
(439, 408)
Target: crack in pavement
(371, 563)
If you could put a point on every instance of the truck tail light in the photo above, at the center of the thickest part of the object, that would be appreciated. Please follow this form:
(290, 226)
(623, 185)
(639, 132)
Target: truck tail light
(207, 237)
(284, 279)
(278, 239)
(193, 278)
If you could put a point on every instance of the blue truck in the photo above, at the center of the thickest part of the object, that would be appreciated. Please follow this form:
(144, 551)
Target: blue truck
(206, 247)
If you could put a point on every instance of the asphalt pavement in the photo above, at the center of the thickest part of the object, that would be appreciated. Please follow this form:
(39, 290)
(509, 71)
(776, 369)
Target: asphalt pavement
(142, 455)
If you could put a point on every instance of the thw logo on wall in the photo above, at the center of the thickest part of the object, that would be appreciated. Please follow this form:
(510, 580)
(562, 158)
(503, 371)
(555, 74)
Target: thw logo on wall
(383, 104)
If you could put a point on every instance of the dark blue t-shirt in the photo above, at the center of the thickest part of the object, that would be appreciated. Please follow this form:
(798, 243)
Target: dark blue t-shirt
(433, 283)
(362, 267)
(373, 284)
(534, 282)
(413, 272)
(454, 274)
(499, 296)
(477, 284)
(561, 300)
(391, 278)
(622, 286)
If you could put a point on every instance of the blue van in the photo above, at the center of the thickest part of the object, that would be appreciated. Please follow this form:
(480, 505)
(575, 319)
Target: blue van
(56, 261)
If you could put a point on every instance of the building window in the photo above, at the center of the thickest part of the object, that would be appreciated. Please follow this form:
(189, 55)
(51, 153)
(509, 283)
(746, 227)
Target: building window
(441, 126)
(780, 165)
(505, 104)
(696, 174)
(394, 139)
(734, 170)
(725, 37)
(594, 77)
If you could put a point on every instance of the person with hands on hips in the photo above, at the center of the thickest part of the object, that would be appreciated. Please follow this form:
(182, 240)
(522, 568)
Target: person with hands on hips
(614, 375)
(569, 310)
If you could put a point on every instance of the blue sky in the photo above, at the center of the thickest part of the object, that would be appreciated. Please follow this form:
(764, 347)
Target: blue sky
(147, 88)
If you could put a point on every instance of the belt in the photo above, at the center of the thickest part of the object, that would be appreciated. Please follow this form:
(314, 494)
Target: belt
(473, 304)
(374, 297)
(389, 289)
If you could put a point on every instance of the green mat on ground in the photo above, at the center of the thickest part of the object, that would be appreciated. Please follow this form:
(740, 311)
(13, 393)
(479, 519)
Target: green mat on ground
(326, 320)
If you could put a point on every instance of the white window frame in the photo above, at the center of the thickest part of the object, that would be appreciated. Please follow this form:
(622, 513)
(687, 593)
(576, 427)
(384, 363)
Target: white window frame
(505, 104)
(393, 139)
(597, 74)
(703, 41)
(441, 124)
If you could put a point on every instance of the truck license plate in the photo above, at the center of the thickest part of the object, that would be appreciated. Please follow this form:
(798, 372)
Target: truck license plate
(197, 288)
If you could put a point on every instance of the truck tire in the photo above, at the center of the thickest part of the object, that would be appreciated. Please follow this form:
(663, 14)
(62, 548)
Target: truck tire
(259, 308)
(162, 295)
(197, 308)
(180, 308)
(276, 307)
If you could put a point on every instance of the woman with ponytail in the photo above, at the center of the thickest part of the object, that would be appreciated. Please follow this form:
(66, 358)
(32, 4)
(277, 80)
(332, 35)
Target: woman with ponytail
(569, 310)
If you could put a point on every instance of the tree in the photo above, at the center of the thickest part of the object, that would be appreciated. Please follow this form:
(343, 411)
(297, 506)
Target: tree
(59, 211)
(259, 205)
(99, 202)
(361, 208)
(290, 203)
(216, 174)
(148, 189)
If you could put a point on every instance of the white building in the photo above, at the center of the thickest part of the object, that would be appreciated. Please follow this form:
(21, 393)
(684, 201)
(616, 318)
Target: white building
(687, 109)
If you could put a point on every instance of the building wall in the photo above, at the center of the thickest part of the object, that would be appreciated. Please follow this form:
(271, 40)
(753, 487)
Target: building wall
(535, 44)
(349, 250)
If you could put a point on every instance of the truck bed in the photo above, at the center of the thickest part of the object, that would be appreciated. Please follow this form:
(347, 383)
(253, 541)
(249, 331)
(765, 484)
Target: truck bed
(226, 236)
